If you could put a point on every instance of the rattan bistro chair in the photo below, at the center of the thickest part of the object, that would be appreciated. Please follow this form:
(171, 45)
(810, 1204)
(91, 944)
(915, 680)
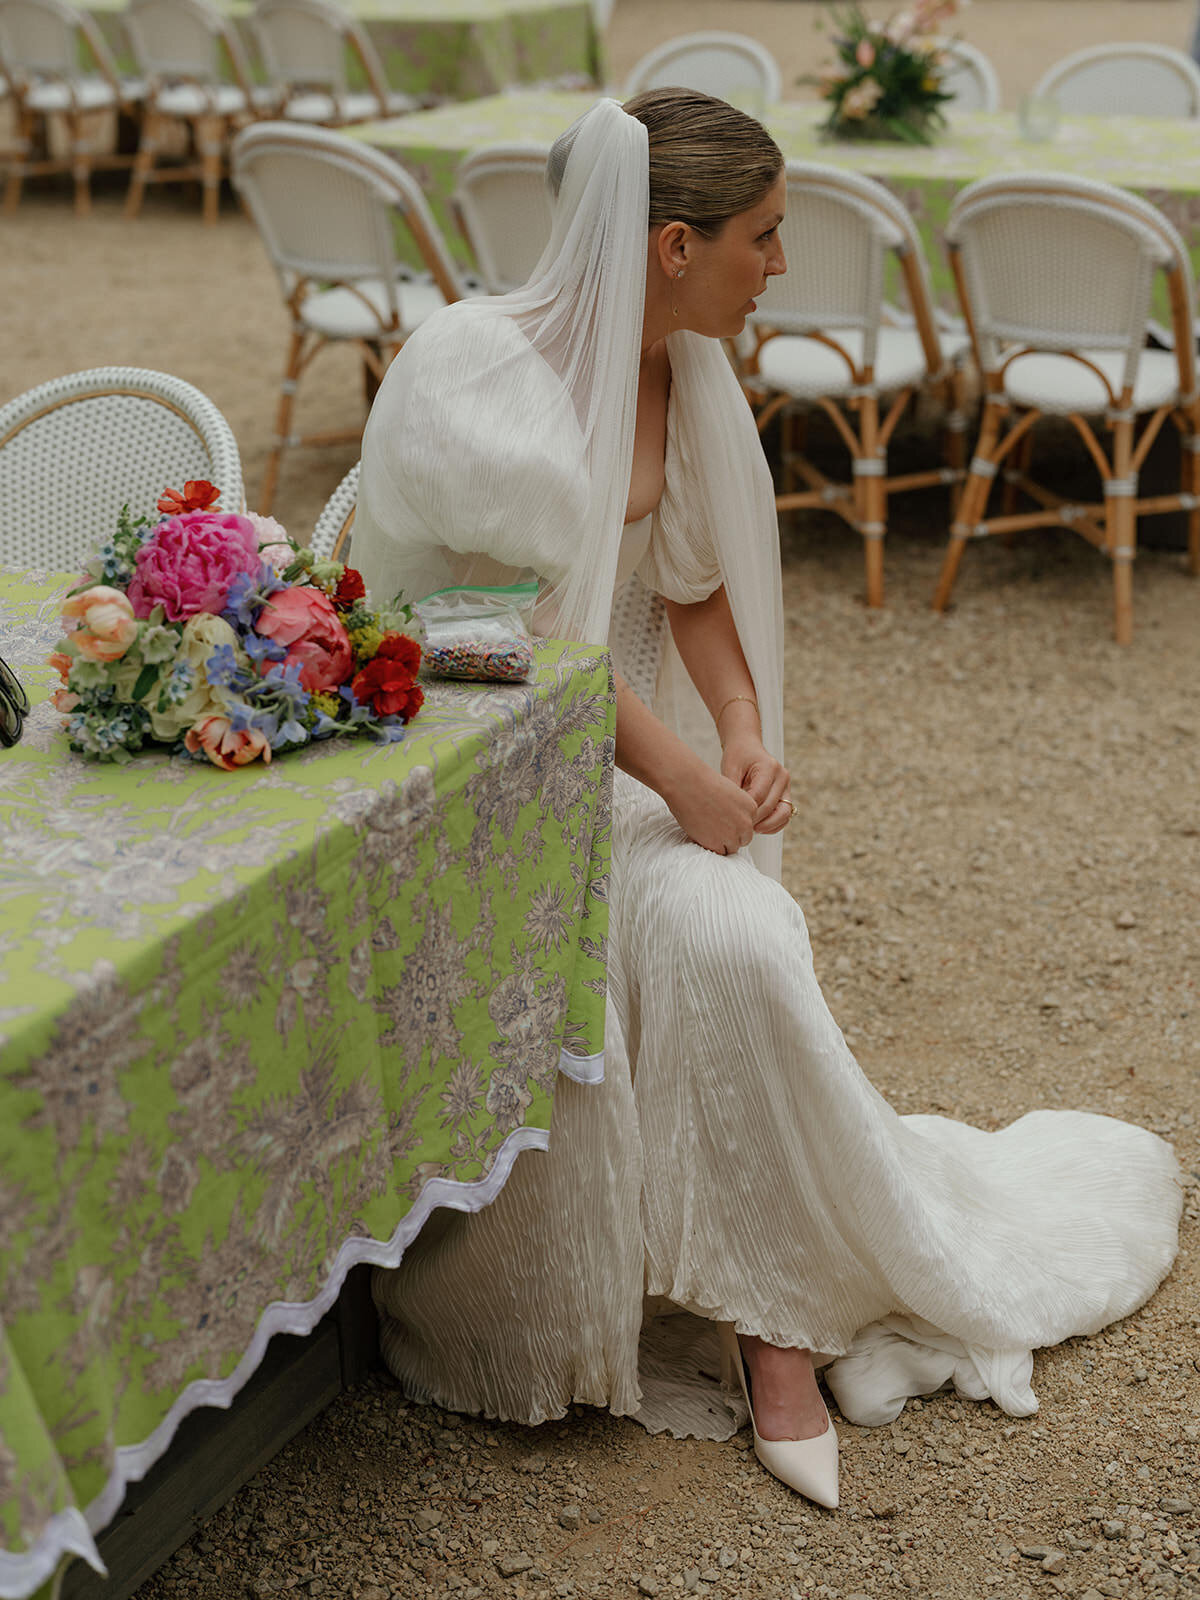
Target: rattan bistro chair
(43, 44)
(304, 46)
(969, 76)
(328, 208)
(1136, 80)
(178, 45)
(74, 450)
(502, 208)
(1055, 275)
(331, 536)
(826, 342)
(731, 66)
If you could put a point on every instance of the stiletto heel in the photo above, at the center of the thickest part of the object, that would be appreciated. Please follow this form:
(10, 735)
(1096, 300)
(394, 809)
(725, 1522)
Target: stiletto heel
(810, 1466)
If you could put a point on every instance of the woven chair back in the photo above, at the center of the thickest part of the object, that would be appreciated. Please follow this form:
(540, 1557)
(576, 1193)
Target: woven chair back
(327, 207)
(1143, 80)
(969, 76)
(837, 234)
(332, 534)
(75, 450)
(40, 36)
(1058, 264)
(176, 39)
(303, 43)
(731, 66)
(504, 210)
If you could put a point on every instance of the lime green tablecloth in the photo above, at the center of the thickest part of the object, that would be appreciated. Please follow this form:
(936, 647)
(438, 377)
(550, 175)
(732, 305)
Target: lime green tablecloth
(1157, 158)
(253, 1025)
(448, 49)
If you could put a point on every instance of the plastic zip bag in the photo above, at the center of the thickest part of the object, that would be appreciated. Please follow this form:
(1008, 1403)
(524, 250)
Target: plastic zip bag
(479, 634)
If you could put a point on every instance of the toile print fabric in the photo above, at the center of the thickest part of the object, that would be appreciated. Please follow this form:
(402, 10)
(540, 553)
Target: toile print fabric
(1158, 158)
(253, 1025)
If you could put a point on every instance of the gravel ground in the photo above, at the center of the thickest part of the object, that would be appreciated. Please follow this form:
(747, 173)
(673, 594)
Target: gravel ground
(998, 850)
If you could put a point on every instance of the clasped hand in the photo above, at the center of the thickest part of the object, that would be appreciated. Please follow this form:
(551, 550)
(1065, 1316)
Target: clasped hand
(723, 811)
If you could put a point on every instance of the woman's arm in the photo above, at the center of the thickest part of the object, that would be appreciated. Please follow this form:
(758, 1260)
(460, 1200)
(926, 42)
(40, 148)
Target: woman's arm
(721, 811)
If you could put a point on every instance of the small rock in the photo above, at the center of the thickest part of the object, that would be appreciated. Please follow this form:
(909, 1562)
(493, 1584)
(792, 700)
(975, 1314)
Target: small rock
(1091, 1594)
(595, 1514)
(691, 1578)
(534, 1463)
(882, 1505)
(1055, 1561)
(427, 1518)
(728, 1556)
(1140, 1375)
(1175, 1508)
(1049, 1003)
(1037, 1552)
(372, 1591)
(1126, 920)
(569, 1518)
(1113, 1530)
(509, 1565)
(710, 1575)
(490, 1546)
(647, 1586)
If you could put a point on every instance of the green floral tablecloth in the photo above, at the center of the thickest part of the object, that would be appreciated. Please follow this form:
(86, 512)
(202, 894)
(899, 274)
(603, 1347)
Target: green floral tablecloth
(444, 49)
(253, 1025)
(1157, 158)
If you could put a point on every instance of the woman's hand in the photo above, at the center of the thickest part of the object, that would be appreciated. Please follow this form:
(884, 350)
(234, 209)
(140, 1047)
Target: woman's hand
(711, 809)
(764, 780)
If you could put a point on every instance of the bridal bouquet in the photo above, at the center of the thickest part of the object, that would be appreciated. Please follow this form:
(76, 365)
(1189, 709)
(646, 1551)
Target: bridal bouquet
(887, 81)
(213, 632)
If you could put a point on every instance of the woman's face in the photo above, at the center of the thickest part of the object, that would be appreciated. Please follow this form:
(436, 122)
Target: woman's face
(724, 276)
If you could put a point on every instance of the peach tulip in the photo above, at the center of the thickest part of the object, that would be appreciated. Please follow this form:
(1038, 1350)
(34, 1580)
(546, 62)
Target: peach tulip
(224, 746)
(106, 623)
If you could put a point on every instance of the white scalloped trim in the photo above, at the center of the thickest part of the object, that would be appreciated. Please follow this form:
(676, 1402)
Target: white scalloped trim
(584, 1069)
(70, 1531)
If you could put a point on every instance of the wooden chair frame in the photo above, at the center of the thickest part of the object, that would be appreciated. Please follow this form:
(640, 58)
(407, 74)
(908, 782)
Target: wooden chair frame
(81, 160)
(866, 428)
(1110, 524)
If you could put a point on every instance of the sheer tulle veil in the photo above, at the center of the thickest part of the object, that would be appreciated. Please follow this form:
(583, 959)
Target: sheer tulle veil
(502, 436)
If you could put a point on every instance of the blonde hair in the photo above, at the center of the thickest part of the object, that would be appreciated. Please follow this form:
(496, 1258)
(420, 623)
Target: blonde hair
(708, 161)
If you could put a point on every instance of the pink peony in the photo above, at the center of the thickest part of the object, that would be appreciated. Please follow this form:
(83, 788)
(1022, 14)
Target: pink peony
(865, 53)
(190, 561)
(223, 746)
(274, 546)
(104, 624)
(304, 620)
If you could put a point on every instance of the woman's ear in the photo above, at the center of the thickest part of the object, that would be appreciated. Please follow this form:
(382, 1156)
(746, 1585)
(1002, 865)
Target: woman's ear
(674, 241)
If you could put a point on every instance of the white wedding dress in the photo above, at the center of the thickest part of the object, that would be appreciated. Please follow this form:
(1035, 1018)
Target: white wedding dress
(734, 1164)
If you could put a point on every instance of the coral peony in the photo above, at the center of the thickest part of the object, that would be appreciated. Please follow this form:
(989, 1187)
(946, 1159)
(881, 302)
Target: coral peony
(386, 682)
(105, 626)
(304, 621)
(198, 495)
(189, 562)
(225, 747)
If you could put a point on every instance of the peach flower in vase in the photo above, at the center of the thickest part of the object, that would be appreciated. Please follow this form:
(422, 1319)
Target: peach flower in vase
(105, 625)
(224, 745)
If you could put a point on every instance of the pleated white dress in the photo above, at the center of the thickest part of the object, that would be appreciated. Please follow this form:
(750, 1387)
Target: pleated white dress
(735, 1164)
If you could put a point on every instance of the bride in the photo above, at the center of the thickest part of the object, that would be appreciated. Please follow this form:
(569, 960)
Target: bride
(734, 1163)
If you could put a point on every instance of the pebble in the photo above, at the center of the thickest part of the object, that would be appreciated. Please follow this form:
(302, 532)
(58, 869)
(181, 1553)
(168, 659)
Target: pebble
(882, 1505)
(427, 1518)
(647, 1586)
(569, 1518)
(509, 1565)
(1175, 1508)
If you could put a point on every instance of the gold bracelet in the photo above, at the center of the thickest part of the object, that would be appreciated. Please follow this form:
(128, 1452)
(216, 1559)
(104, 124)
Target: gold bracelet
(749, 699)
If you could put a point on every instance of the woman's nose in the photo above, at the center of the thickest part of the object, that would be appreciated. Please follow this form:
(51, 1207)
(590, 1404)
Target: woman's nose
(777, 264)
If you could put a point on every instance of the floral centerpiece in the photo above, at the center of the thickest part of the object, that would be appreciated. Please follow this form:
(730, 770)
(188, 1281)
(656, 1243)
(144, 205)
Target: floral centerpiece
(213, 632)
(887, 80)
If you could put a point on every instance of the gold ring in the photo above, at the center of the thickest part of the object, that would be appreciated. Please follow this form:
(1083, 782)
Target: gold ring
(791, 808)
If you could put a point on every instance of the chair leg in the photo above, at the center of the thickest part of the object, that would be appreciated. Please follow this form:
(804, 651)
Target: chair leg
(209, 137)
(81, 165)
(954, 439)
(283, 422)
(870, 470)
(16, 168)
(143, 164)
(972, 506)
(1192, 445)
(1121, 530)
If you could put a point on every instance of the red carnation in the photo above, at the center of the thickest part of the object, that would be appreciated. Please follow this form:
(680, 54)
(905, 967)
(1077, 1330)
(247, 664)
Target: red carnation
(198, 495)
(350, 588)
(387, 680)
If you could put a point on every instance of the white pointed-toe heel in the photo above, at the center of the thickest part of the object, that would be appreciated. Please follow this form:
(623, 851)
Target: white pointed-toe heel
(810, 1466)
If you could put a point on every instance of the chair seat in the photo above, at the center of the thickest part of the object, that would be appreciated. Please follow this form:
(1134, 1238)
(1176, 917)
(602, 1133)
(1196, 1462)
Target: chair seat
(359, 106)
(194, 100)
(340, 314)
(809, 369)
(90, 93)
(1054, 383)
